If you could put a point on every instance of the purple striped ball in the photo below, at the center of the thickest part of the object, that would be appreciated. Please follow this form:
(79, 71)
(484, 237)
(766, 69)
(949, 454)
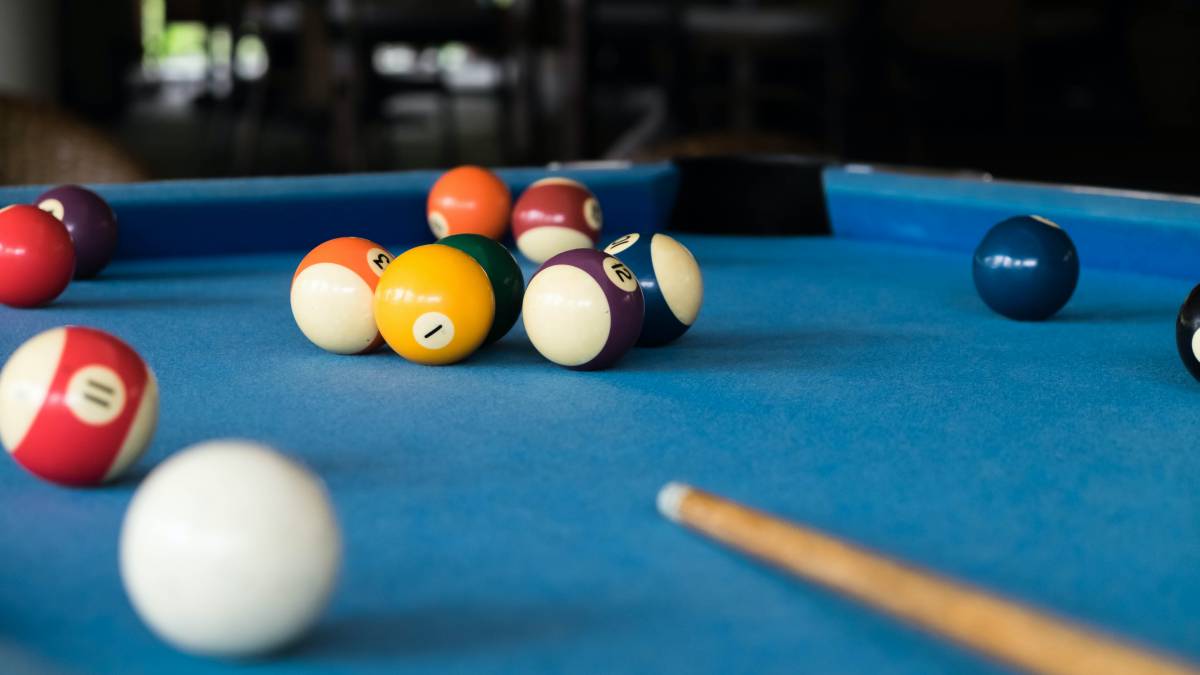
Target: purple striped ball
(583, 309)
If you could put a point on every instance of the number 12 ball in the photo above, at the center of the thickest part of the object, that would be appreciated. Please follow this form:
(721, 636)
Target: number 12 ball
(1026, 268)
(670, 281)
(583, 309)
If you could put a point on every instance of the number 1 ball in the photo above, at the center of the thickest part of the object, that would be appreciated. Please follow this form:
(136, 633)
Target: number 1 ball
(1026, 268)
(333, 294)
(469, 200)
(670, 281)
(77, 406)
(230, 549)
(434, 305)
(37, 259)
(91, 222)
(583, 309)
(555, 215)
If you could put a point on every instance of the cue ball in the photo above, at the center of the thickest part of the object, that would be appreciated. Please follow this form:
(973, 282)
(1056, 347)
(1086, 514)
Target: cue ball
(37, 259)
(77, 406)
(555, 215)
(508, 284)
(230, 549)
(583, 309)
(91, 222)
(671, 284)
(333, 294)
(1187, 332)
(468, 200)
(1026, 268)
(434, 305)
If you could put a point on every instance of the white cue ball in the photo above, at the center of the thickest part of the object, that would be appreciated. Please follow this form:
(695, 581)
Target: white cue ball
(230, 549)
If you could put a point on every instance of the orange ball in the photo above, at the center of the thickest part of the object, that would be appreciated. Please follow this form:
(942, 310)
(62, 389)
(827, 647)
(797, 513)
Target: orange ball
(469, 200)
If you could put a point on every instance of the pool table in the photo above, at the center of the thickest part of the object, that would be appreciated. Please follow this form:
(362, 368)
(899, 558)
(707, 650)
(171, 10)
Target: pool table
(499, 514)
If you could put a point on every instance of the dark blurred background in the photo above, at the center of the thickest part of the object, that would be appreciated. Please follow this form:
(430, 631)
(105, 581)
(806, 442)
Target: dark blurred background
(1094, 92)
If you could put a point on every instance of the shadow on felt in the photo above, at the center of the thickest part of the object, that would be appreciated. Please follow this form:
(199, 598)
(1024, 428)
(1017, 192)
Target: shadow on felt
(786, 350)
(446, 629)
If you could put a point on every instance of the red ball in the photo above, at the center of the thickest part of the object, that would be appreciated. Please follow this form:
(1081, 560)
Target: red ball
(37, 258)
(77, 406)
(555, 215)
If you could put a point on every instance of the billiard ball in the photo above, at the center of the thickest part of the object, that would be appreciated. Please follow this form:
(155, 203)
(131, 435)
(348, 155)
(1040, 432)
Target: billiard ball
(671, 284)
(1026, 268)
(230, 549)
(583, 309)
(469, 200)
(77, 406)
(434, 305)
(1187, 332)
(333, 294)
(508, 284)
(91, 222)
(37, 259)
(555, 215)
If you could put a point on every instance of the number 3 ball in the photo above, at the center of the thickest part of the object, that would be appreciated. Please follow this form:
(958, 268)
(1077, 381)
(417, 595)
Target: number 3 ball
(469, 200)
(670, 281)
(434, 305)
(1026, 268)
(91, 222)
(583, 309)
(77, 406)
(37, 259)
(333, 294)
(555, 215)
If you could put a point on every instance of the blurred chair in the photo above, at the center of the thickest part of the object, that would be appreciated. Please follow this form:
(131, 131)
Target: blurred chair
(42, 144)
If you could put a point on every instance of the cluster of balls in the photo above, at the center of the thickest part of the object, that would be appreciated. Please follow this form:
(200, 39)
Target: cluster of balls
(79, 406)
(438, 303)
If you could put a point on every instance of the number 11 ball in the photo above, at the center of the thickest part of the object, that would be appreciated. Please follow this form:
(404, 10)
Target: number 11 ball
(670, 281)
(1026, 268)
(583, 309)
(77, 406)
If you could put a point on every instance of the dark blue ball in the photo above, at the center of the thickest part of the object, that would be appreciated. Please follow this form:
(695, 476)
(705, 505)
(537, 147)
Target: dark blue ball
(670, 280)
(1026, 268)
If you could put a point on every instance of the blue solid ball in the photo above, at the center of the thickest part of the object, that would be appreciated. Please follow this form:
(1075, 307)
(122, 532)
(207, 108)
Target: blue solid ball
(1026, 268)
(671, 284)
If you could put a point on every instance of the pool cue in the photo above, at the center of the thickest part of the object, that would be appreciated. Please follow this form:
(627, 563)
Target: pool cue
(1000, 628)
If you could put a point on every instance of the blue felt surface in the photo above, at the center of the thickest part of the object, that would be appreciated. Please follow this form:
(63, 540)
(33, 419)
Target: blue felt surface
(257, 215)
(862, 388)
(1121, 230)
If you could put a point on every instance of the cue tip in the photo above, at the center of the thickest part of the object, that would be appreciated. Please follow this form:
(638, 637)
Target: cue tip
(671, 497)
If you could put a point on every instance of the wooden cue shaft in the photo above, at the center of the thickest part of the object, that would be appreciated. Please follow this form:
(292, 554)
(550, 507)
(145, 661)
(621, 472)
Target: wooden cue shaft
(1002, 629)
